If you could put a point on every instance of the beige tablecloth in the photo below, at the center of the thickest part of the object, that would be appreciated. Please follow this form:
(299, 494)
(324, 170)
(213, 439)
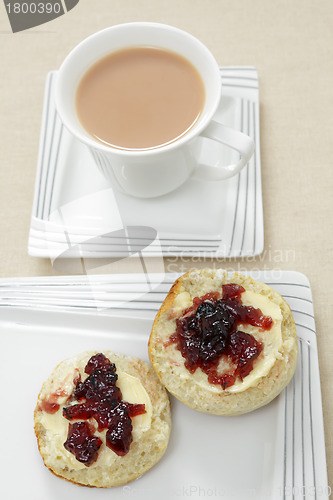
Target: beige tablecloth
(291, 44)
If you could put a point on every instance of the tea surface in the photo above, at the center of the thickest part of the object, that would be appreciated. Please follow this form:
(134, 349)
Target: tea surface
(140, 98)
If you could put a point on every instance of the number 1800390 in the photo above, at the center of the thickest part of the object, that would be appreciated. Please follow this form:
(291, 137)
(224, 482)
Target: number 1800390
(34, 8)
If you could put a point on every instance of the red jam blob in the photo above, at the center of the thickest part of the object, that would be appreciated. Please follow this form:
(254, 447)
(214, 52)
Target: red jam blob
(208, 330)
(119, 433)
(82, 443)
(99, 398)
(50, 404)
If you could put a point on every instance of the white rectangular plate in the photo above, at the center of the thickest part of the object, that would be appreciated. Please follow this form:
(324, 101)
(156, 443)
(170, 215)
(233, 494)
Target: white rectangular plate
(276, 452)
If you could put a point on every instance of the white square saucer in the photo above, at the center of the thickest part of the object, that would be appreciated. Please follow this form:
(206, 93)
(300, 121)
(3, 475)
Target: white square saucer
(77, 213)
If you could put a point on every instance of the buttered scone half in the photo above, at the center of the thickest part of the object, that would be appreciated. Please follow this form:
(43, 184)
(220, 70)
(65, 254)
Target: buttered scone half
(223, 345)
(102, 419)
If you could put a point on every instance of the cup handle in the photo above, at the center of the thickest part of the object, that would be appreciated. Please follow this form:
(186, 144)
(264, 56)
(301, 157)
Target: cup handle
(229, 137)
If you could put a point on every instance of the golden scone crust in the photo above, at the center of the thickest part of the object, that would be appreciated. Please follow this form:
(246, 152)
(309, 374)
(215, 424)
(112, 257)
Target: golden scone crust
(145, 450)
(176, 378)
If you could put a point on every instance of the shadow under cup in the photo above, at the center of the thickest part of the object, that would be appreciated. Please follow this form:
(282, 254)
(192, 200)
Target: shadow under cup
(150, 172)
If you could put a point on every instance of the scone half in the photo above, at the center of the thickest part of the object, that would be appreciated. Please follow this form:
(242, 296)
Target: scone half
(150, 430)
(271, 370)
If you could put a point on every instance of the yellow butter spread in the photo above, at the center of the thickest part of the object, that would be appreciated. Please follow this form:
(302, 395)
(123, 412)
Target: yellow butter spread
(182, 301)
(271, 340)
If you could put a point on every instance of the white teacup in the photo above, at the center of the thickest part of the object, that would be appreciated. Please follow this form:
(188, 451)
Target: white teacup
(151, 172)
